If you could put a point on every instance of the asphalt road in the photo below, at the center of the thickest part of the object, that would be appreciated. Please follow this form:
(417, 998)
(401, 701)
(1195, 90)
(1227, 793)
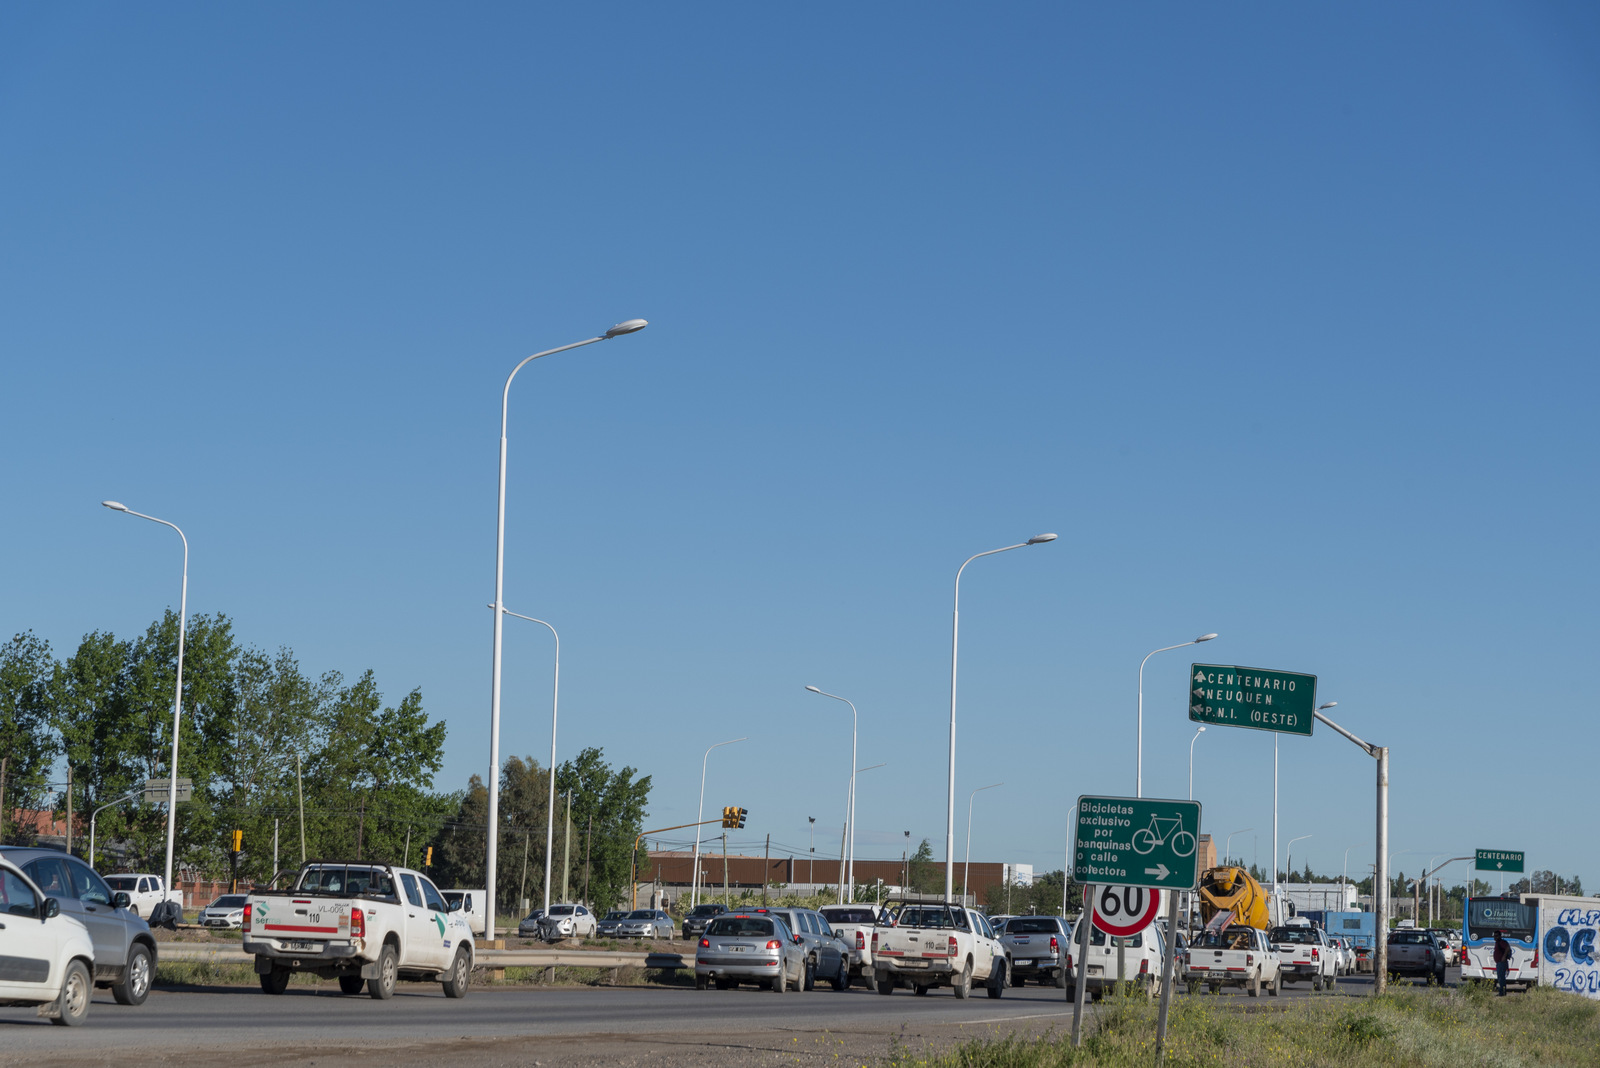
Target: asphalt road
(519, 1025)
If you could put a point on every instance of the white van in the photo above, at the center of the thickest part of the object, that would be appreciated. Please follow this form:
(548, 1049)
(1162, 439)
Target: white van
(470, 903)
(1140, 957)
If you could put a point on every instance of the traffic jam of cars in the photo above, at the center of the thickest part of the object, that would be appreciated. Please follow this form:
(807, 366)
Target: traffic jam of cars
(370, 926)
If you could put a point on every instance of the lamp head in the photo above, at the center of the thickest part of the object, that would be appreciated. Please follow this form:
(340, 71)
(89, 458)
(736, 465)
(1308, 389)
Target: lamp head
(1201, 729)
(1327, 704)
(115, 506)
(813, 689)
(627, 326)
(1040, 539)
(1204, 638)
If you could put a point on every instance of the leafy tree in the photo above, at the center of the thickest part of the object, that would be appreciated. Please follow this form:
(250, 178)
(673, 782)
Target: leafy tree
(524, 799)
(608, 809)
(25, 667)
(924, 877)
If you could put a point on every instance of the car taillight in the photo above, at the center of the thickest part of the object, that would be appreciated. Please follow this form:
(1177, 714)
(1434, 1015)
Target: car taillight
(1144, 967)
(246, 920)
(952, 950)
(773, 943)
(861, 939)
(358, 924)
(874, 941)
(1069, 961)
(1249, 958)
(1536, 958)
(1054, 945)
(705, 943)
(1314, 954)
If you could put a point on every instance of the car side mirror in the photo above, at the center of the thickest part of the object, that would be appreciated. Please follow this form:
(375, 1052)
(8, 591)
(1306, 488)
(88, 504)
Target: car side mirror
(121, 900)
(50, 909)
(797, 939)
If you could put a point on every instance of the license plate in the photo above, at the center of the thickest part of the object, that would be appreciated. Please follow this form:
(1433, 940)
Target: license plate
(1095, 969)
(738, 949)
(306, 947)
(1219, 971)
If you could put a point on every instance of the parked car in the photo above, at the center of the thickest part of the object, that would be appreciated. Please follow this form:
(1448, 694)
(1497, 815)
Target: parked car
(49, 957)
(1037, 946)
(1414, 953)
(225, 911)
(700, 917)
(607, 925)
(124, 949)
(827, 954)
(1236, 956)
(645, 923)
(567, 921)
(939, 945)
(737, 948)
(854, 924)
(144, 892)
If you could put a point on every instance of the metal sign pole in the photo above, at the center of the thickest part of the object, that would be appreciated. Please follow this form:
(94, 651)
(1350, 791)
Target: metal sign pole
(1168, 965)
(1082, 969)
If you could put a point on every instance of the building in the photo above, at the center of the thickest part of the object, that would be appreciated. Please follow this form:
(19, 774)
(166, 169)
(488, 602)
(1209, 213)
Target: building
(673, 870)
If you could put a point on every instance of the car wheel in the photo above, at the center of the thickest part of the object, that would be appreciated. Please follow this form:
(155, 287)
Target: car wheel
(883, 983)
(460, 975)
(780, 982)
(841, 978)
(1316, 983)
(134, 909)
(351, 984)
(1254, 989)
(72, 1004)
(997, 980)
(962, 986)
(920, 990)
(276, 981)
(809, 982)
(1061, 978)
(381, 986)
(135, 984)
(700, 982)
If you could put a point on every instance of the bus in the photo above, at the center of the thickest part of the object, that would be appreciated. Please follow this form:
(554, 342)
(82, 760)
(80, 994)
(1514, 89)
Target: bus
(1517, 922)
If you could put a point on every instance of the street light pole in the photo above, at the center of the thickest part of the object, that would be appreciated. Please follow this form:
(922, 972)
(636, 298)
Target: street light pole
(1380, 868)
(96, 815)
(177, 691)
(1138, 782)
(700, 814)
(555, 707)
(492, 852)
(1198, 731)
(1227, 849)
(955, 637)
(850, 803)
(966, 866)
(1288, 855)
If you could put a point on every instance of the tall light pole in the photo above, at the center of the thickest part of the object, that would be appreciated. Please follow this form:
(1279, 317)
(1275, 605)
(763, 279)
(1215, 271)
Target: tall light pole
(955, 637)
(1227, 849)
(177, 690)
(852, 826)
(1138, 782)
(850, 803)
(1198, 731)
(1288, 855)
(492, 853)
(966, 866)
(811, 871)
(700, 815)
(555, 707)
(1380, 868)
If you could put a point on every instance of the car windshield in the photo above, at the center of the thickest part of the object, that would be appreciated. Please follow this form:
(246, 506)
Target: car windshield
(940, 917)
(615, 915)
(229, 901)
(1410, 938)
(1300, 936)
(707, 910)
(560, 910)
(1486, 915)
(346, 880)
(848, 914)
(1031, 926)
(741, 927)
(641, 914)
(1228, 938)
(123, 882)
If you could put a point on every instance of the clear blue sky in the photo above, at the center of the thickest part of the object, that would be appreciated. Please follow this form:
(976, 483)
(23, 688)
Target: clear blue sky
(1284, 318)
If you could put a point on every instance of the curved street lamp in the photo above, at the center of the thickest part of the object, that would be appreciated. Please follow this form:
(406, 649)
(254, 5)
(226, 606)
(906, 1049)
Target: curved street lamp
(555, 706)
(700, 814)
(1138, 778)
(966, 866)
(850, 802)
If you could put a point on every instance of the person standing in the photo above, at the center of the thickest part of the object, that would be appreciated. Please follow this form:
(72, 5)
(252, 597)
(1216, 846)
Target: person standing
(1502, 962)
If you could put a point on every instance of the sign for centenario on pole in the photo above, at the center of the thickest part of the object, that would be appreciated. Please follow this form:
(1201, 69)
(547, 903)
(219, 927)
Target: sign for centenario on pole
(1499, 860)
(1259, 698)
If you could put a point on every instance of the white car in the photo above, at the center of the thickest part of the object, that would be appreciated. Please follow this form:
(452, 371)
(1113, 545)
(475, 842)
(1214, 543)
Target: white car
(144, 892)
(1140, 956)
(226, 911)
(568, 921)
(48, 958)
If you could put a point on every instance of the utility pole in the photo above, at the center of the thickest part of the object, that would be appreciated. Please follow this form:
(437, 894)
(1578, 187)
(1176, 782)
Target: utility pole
(69, 808)
(299, 791)
(566, 855)
(407, 862)
(274, 850)
(844, 833)
(361, 829)
(811, 872)
(522, 887)
(766, 870)
(588, 835)
(3, 762)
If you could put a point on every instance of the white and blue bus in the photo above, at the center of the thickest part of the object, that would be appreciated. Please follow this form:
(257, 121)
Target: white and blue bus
(1518, 923)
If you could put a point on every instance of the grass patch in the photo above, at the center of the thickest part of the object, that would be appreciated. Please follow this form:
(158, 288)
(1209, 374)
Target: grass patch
(1426, 1028)
(564, 975)
(216, 973)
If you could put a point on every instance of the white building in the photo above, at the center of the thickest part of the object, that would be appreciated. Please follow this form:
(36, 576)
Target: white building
(1324, 897)
(1018, 874)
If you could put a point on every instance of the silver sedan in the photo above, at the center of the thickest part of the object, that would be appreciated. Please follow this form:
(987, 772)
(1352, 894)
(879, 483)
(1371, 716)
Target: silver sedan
(645, 923)
(742, 948)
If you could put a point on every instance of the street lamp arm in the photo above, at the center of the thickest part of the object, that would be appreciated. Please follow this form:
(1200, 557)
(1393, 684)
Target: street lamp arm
(1370, 749)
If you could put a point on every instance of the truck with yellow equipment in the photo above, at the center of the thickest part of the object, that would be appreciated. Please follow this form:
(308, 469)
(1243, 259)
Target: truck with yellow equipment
(1232, 889)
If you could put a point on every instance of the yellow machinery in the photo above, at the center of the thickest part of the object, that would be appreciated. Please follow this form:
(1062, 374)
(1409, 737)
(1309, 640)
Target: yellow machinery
(1231, 889)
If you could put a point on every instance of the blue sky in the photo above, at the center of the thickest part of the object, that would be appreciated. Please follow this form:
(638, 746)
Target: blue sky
(1284, 319)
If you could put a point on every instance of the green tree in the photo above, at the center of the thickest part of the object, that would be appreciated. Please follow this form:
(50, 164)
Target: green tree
(925, 878)
(92, 719)
(25, 742)
(608, 809)
(524, 800)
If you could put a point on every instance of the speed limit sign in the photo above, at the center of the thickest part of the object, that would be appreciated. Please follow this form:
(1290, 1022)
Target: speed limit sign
(1125, 910)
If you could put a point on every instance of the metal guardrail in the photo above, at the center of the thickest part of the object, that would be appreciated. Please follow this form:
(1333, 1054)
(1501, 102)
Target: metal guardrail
(488, 958)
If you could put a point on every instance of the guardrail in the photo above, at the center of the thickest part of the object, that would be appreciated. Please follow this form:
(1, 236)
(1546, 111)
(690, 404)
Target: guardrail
(487, 958)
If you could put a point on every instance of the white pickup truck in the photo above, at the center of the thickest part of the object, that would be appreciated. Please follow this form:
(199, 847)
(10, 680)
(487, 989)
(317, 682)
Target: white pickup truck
(144, 892)
(938, 945)
(854, 924)
(361, 923)
(1233, 955)
(1304, 953)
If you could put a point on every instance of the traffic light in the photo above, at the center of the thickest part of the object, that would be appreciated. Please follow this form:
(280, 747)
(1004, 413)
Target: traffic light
(741, 813)
(427, 858)
(730, 816)
(238, 841)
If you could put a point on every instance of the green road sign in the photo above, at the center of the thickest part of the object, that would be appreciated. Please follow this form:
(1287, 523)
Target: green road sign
(1499, 860)
(1232, 696)
(1137, 841)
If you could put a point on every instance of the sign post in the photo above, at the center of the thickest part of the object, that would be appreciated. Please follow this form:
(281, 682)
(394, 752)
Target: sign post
(1125, 851)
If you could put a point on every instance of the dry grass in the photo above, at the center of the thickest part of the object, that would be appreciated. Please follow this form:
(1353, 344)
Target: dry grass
(1426, 1028)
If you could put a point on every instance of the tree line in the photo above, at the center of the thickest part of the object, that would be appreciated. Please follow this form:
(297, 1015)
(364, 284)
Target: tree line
(325, 764)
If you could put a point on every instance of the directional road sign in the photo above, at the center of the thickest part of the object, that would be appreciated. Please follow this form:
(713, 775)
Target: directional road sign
(1266, 700)
(1499, 860)
(159, 790)
(1137, 841)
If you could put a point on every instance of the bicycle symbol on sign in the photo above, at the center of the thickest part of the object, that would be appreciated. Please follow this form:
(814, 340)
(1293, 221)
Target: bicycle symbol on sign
(1168, 832)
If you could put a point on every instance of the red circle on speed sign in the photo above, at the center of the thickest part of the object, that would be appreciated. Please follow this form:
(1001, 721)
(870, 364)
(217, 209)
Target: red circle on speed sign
(1125, 910)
